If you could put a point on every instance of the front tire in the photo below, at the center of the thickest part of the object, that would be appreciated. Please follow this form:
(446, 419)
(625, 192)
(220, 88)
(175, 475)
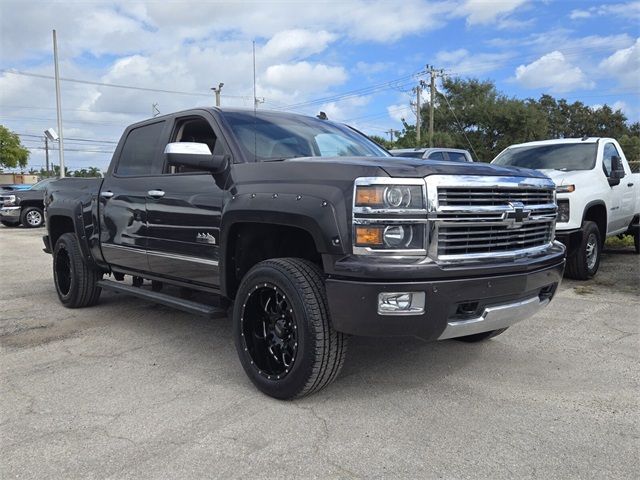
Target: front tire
(584, 262)
(636, 240)
(282, 329)
(32, 217)
(75, 280)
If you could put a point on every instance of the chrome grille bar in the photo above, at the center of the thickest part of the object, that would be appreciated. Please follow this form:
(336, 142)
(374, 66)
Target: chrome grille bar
(476, 218)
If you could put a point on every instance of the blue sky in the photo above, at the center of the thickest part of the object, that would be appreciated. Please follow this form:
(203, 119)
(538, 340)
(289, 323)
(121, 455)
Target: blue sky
(356, 60)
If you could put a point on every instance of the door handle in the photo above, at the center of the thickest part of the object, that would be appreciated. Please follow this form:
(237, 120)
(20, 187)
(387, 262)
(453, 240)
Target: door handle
(156, 193)
(629, 184)
(106, 194)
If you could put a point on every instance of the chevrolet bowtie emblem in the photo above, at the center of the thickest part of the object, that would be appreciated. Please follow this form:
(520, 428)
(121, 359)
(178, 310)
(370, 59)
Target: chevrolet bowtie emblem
(516, 216)
(206, 238)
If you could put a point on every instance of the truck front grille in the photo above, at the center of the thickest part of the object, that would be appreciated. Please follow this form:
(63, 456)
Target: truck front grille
(460, 240)
(448, 196)
(489, 217)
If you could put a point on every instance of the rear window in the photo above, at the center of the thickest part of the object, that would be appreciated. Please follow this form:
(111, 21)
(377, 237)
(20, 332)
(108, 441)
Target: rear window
(457, 157)
(140, 149)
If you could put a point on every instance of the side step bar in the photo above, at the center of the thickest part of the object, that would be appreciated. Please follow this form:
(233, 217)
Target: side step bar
(164, 299)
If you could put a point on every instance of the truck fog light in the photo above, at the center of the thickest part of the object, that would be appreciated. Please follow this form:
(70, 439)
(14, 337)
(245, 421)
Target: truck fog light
(401, 303)
(563, 211)
(396, 236)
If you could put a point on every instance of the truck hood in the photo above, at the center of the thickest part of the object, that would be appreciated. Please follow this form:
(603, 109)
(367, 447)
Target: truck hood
(417, 167)
(576, 177)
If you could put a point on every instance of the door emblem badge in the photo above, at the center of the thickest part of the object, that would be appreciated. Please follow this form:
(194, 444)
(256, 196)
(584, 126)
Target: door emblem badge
(516, 216)
(206, 238)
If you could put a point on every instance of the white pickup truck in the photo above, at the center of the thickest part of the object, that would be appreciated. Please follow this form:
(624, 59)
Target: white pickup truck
(598, 196)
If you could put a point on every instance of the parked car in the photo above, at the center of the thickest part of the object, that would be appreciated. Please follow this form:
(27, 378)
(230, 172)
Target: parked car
(24, 207)
(11, 187)
(445, 154)
(598, 195)
(311, 231)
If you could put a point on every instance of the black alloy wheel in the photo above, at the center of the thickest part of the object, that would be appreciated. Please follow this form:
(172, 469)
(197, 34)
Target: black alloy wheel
(282, 329)
(269, 331)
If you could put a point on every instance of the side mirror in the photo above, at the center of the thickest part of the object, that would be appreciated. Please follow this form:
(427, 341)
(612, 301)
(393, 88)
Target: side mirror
(195, 155)
(617, 171)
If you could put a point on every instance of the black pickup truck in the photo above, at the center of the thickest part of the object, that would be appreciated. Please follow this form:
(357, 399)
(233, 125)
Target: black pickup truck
(24, 206)
(310, 232)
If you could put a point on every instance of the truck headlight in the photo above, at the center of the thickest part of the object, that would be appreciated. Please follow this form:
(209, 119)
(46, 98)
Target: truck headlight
(565, 188)
(389, 216)
(9, 201)
(390, 237)
(563, 211)
(389, 196)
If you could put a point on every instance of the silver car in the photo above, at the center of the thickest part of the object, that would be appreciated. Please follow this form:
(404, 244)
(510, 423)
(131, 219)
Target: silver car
(446, 154)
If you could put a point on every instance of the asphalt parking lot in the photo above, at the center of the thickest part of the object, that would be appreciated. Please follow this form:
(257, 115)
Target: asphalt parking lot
(129, 389)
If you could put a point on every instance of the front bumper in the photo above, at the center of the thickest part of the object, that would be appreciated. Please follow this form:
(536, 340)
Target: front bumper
(10, 214)
(570, 239)
(453, 308)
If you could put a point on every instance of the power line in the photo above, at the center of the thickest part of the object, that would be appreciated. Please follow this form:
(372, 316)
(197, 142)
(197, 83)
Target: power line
(111, 85)
(92, 140)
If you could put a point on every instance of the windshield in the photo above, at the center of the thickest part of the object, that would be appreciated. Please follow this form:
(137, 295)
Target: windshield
(572, 156)
(268, 136)
(42, 184)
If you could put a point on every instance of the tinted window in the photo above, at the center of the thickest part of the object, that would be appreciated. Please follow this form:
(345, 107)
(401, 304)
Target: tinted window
(566, 157)
(436, 156)
(610, 150)
(138, 153)
(457, 157)
(408, 154)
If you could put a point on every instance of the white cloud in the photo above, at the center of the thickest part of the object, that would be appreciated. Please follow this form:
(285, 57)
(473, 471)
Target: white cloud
(579, 14)
(554, 72)
(624, 66)
(304, 76)
(483, 12)
(400, 112)
(298, 42)
(630, 10)
(463, 62)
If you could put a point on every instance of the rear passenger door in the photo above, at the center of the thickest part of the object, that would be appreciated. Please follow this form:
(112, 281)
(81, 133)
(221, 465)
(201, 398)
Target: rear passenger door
(184, 217)
(122, 203)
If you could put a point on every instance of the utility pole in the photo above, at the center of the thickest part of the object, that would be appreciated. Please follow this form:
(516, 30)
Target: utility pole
(58, 105)
(391, 131)
(433, 74)
(217, 91)
(46, 153)
(418, 91)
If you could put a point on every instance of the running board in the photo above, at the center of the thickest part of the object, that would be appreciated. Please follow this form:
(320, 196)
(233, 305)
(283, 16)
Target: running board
(164, 299)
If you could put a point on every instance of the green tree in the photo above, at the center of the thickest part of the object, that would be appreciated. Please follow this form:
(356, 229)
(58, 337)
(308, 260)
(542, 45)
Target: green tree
(12, 153)
(383, 142)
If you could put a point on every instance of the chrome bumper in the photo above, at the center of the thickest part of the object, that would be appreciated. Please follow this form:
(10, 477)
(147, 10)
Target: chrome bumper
(494, 318)
(13, 212)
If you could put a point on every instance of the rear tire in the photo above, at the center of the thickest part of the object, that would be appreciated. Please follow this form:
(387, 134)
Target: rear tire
(584, 262)
(479, 337)
(75, 280)
(282, 329)
(32, 217)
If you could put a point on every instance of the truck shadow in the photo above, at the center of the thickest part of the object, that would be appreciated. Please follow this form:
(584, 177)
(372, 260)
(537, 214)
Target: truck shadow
(196, 346)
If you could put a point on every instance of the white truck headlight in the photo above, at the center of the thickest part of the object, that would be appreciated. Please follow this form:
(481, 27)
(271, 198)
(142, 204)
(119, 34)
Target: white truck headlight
(9, 201)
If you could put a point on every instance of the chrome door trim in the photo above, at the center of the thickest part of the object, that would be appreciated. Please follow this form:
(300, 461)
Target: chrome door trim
(172, 256)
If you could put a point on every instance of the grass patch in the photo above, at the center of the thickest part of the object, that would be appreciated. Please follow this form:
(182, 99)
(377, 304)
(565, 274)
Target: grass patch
(617, 242)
